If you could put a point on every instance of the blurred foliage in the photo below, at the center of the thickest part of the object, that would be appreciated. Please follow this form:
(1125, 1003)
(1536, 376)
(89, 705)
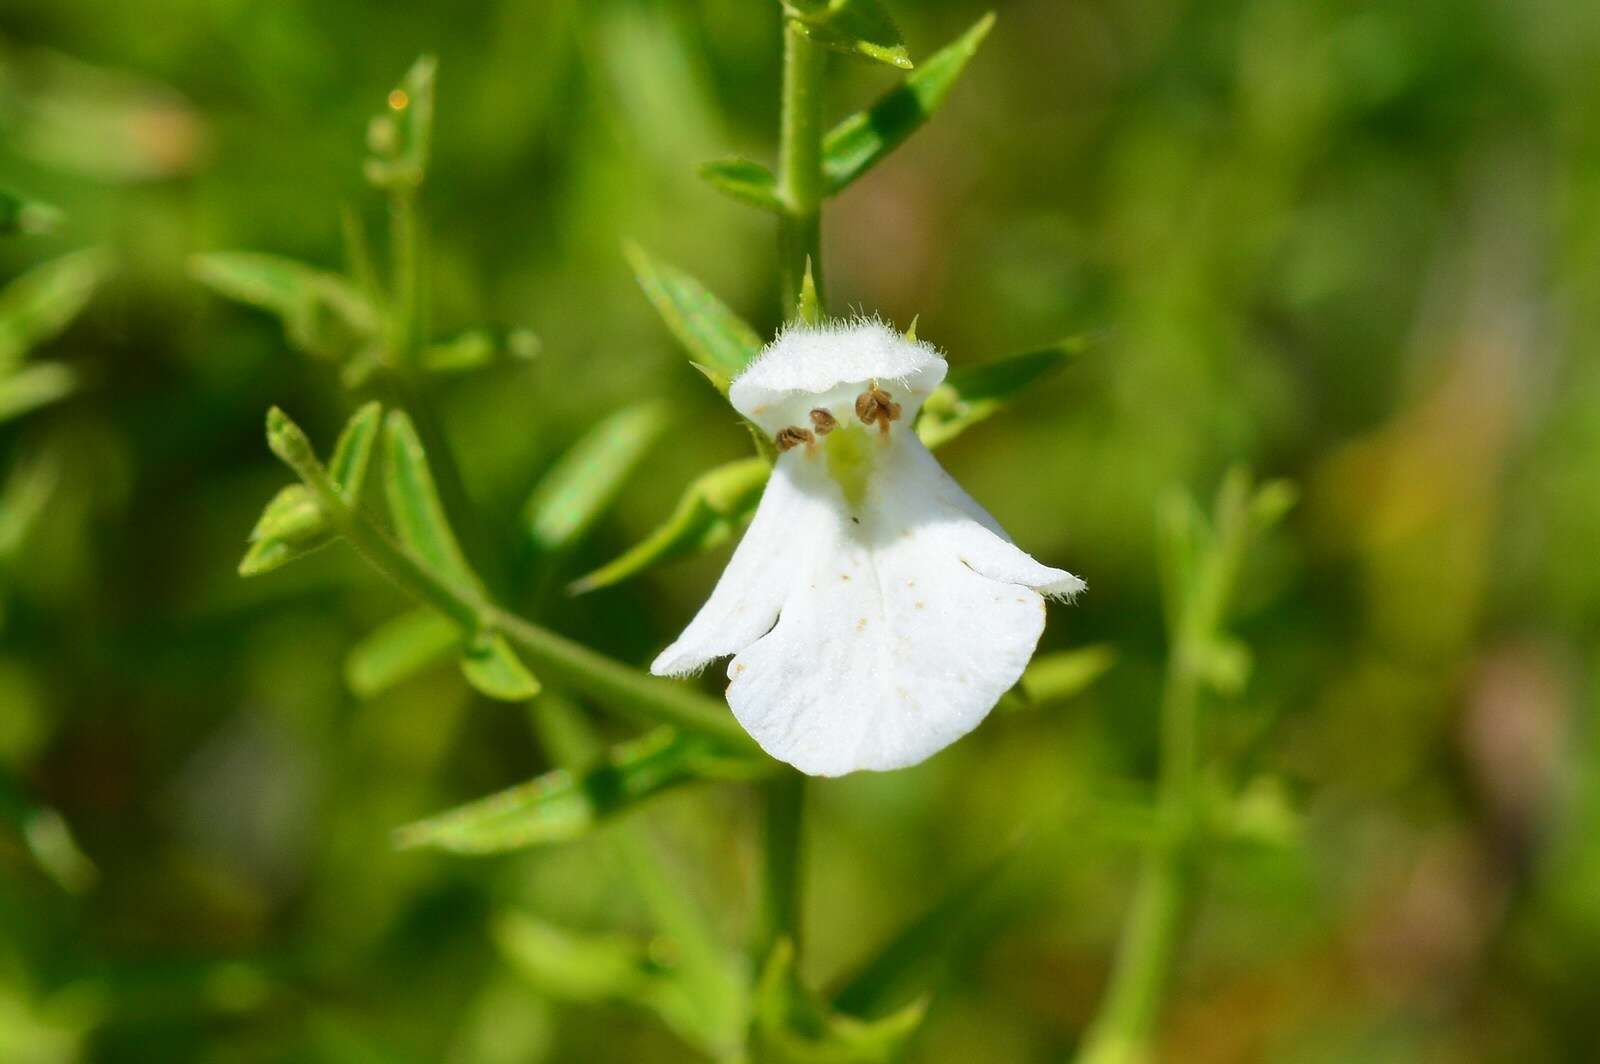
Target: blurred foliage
(1356, 246)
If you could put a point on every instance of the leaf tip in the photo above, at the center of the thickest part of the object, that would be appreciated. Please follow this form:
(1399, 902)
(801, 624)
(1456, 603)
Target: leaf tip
(287, 440)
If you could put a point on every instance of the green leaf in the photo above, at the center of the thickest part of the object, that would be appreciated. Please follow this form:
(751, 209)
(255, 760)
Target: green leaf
(352, 454)
(1263, 814)
(561, 805)
(1224, 663)
(42, 302)
(414, 504)
(493, 668)
(291, 526)
(585, 480)
(31, 484)
(25, 217)
(719, 342)
(746, 181)
(862, 141)
(399, 649)
(809, 306)
(477, 348)
(47, 836)
(971, 394)
(35, 386)
(322, 313)
(1272, 502)
(599, 967)
(861, 28)
(712, 508)
(1057, 677)
(570, 965)
(793, 1026)
(400, 138)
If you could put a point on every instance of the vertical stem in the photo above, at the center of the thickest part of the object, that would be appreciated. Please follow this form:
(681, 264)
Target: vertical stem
(1123, 1030)
(1125, 1027)
(405, 237)
(783, 802)
(799, 243)
(800, 167)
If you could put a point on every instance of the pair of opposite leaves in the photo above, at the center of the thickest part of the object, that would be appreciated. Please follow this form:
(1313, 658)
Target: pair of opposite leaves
(875, 612)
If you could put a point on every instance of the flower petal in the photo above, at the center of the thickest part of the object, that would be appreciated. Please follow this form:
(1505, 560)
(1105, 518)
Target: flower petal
(983, 545)
(808, 362)
(746, 600)
(894, 644)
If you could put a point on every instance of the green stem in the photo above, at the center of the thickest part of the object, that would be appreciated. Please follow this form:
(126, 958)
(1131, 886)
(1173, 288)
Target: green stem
(800, 167)
(1126, 1024)
(799, 247)
(405, 239)
(563, 661)
(1125, 1028)
(783, 808)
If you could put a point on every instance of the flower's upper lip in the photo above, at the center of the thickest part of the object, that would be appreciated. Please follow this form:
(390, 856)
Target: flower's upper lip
(807, 360)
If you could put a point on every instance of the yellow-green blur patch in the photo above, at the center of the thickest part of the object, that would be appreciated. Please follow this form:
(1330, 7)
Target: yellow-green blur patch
(849, 453)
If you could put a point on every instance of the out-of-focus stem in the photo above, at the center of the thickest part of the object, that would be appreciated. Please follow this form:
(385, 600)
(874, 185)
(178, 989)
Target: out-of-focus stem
(1125, 1028)
(405, 310)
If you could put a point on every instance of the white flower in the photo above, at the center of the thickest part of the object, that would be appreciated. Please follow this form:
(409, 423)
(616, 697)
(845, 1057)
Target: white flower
(875, 612)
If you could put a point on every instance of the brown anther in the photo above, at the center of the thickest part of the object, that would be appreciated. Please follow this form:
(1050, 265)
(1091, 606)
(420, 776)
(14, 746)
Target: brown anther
(874, 406)
(792, 437)
(823, 421)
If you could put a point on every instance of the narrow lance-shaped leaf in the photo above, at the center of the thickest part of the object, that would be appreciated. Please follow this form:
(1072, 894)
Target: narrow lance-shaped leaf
(711, 509)
(488, 662)
(414, 503)
(718, 341)
(598, 967)
(809, 306)
(793, 1026)
(47, 836)
(293, 525)
(398, 650)
(352, 454)
(35, 386)
(31, 484)
(746, 181)
(862, 141)
(477, 348)
(861, 28)
(322, 313)
(562, 805)
(1052, 678)
(585, 480)
(491, 666)
(43, 301)
(971, 394)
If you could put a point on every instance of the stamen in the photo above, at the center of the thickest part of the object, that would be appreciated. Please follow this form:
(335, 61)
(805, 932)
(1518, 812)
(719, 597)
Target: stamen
(875, 406)
(792, 437)
(823, 421)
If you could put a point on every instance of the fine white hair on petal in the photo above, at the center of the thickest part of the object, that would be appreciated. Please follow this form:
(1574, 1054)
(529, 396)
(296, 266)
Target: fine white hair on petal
(746, 600)
(908, 621)
(810, 360)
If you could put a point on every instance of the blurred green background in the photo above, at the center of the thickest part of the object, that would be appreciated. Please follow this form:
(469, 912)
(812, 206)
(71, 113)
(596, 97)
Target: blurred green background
(1352, 244)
